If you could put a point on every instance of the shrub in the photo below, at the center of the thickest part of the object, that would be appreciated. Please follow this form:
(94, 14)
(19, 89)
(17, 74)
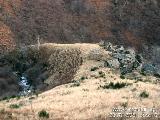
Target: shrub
(11, 97)
(83, 78)
(101, 74)
(2, 111)
(76, 84)
(5, 98)
(125, 104)
(14, 106)
(144, 94)
(157, 75)
(18, 97)
(94, 68)
(31, 98)
(43, 114)
(122, 76)
(143, 73)
(112, 85)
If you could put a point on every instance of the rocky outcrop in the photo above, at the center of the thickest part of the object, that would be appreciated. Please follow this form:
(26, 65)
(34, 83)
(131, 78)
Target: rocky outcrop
(130, 63)
(124, 59)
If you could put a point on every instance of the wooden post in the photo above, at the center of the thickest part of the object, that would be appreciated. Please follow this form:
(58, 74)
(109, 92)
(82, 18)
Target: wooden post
(38, 42)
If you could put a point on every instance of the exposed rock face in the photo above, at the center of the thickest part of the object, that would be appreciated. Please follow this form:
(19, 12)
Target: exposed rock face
(131, 64)
(114, 63)
(124, 59)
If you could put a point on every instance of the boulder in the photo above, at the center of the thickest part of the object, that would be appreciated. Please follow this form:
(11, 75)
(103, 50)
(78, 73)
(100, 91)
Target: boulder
(114, 63)
(124, 59)
(148, 69)
(134, 76)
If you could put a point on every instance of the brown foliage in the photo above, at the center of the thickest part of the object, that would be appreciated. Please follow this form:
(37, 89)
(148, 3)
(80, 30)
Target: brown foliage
(70, 21)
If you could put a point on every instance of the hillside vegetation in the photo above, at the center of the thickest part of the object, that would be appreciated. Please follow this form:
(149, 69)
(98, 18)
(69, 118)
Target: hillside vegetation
(69, 21)
(49, 65)
(79, 59)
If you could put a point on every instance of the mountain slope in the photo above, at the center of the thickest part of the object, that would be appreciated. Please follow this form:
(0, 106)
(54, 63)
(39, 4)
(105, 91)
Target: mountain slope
(86, 101)
(70, 21)
(90, 92)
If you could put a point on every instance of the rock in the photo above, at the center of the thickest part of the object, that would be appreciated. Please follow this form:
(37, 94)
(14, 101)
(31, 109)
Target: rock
(120, 49)
(114, 63)
(124, 59)
(108, 46)
(157, 74)
(139, 58)
(130, 51)
(126, 68)
(149, 69)
(134, 76)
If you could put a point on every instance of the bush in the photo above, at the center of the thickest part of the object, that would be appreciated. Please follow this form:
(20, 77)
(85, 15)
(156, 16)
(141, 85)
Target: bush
(43, 114)
(14, 106)
(112, 85)
(143, 72)
(94, 68)
(76, 84)
(157, 75)
(122, 77)
(125, 104)
(144, 94)
(10, 97)
(101, 74)
(83, 78)
(2, 111)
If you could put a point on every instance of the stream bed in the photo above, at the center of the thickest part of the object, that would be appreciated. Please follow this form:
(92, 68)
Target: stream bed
(26, 88)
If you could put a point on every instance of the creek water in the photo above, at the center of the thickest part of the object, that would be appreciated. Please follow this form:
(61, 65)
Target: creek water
(26, 88)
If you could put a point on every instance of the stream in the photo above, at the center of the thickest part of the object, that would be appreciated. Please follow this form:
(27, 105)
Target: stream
(26, 88)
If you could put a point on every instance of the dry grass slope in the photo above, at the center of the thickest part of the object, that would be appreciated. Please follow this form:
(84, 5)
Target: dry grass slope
(64, 59)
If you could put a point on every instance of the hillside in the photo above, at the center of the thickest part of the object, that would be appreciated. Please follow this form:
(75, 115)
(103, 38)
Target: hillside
(72, 21)
(85, 101)
(79, 59)
(85, 95)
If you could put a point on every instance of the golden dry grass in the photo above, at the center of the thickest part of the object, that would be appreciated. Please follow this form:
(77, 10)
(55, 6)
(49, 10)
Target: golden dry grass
(64, 59)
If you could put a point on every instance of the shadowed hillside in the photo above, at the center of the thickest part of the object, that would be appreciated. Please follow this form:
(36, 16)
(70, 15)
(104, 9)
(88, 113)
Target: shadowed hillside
(63, 21)
(129, 23)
